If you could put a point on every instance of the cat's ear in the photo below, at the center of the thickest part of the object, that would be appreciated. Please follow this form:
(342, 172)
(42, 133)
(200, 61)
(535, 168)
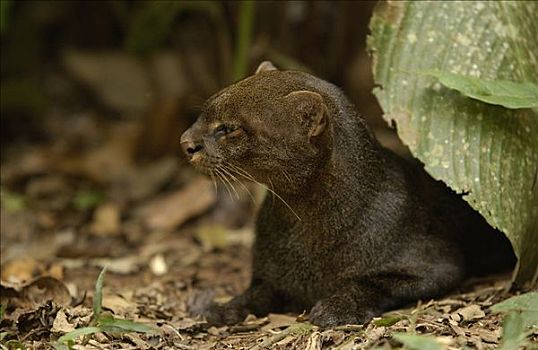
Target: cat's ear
(265, 66)
(311, 108)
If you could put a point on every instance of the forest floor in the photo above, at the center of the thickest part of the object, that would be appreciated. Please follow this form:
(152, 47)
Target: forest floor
(166, 241)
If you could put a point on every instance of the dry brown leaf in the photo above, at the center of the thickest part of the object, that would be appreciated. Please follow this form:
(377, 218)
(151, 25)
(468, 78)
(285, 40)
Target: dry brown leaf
(47, 288)
(56, 270)
(138, 341)
(21, 270)
(61, 325)
(172, 210)
(36, 320)
(488, 336)
(106, 220)
(119, 305)
(314, 341)
(278, 321)
(30, 296)
(111, 162)
(282, 344)
(467, 313)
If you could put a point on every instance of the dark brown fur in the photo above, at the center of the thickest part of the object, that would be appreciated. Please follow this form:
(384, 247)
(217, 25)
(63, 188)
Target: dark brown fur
(364, 231)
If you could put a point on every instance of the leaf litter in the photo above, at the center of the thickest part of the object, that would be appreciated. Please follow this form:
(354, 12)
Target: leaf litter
(64, 218)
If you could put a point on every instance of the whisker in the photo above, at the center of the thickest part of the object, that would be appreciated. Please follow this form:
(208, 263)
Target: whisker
(272, 191)
(286, 175)
(242, 171)
(221, 178)
(228, 181)
(238, 170)
(212, 175)
(229, 172)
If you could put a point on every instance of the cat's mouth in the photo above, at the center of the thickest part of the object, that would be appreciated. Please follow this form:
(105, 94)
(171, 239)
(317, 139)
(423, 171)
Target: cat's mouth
(218, 168)
(205, 164)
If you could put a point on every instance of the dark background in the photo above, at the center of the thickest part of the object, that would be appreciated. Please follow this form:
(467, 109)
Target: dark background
(58, 57)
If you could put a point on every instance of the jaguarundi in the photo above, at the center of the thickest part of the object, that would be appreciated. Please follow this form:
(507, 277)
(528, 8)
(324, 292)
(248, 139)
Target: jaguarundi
(355, 230)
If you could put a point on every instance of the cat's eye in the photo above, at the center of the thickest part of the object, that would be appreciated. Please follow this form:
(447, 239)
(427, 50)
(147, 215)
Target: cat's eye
(224, 129)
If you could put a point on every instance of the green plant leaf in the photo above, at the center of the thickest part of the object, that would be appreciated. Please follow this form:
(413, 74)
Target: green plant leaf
(14, 345)
(514, 332)
(86, 199)
(115, 325)
(387, 321)
(485, 151)
(418, 342)
(506, 93)
(11, 201)
(73, 335)
(525, 305)
(523, 302)
(98, 297)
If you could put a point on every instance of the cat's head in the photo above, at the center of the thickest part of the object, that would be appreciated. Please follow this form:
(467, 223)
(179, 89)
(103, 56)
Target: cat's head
(271, 126)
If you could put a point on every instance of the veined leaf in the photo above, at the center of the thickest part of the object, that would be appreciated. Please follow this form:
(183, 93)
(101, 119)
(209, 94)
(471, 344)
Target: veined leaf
(486, 151)
(506, 93)
(514, 332)
(523, 302)
(526, 305)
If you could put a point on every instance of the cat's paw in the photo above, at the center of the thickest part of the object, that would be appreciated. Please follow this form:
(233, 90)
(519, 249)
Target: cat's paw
(333, 312)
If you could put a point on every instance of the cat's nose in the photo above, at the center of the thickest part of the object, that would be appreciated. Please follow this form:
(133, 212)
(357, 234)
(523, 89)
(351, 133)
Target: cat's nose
(189, 146)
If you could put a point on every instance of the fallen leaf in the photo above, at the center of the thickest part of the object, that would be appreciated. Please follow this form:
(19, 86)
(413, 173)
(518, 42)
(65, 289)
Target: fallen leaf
(61, 324)
(56, 270)
(21, 270)
(45, 289)
(314, 341)
(34, 294)
(37, 320)
(137, 340)
(172, 210)
(119, 305)
(488, 336)
(106, 220)
(471, 312)
(277, 321)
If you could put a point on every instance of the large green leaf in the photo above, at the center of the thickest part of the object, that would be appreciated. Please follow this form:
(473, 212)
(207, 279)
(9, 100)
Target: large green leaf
(525, 304)
(497, 92)
(486, 151)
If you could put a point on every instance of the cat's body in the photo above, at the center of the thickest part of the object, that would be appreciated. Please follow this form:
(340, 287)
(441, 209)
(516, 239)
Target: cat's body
(358, 230)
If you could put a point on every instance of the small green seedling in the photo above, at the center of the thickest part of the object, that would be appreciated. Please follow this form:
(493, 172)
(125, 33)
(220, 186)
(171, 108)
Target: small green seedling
(100, 322)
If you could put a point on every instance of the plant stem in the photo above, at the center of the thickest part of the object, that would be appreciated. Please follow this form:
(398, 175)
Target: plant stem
(244, 35)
